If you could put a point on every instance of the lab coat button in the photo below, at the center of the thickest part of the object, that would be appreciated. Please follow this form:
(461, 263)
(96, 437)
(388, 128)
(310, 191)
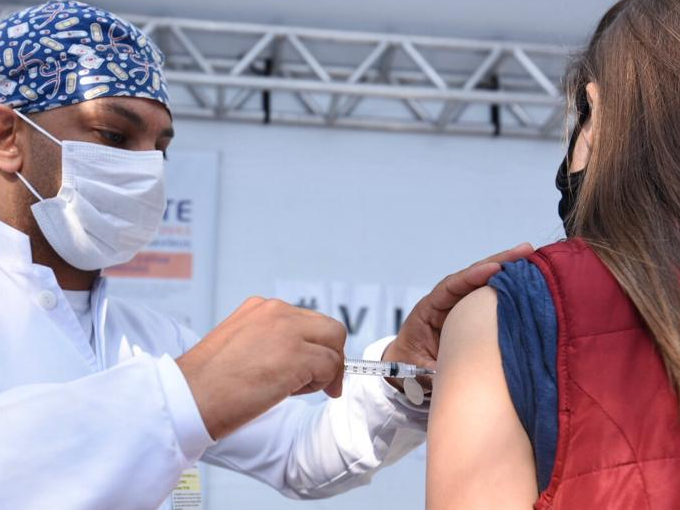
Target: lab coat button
(47, 300)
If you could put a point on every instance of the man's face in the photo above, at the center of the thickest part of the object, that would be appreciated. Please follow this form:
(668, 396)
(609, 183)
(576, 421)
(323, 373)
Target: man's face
(124, 123)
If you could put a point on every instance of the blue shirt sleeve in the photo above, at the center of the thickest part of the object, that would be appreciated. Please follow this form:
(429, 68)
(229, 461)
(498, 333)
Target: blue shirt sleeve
(527, 335)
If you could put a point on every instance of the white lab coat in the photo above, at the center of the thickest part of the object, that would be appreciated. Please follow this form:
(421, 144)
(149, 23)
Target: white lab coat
(113, 427)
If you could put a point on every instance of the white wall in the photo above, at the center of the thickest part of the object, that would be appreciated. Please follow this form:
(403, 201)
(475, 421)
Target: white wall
(322, 205)
(361, 206)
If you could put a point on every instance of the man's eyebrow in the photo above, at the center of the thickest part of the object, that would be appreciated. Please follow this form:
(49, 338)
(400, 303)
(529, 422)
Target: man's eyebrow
(136, 119)
(127, 114)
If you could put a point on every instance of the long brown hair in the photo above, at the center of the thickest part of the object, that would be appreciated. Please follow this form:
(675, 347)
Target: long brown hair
(629, 204)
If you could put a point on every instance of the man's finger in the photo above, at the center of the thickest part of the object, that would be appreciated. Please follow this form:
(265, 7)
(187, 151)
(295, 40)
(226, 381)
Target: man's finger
(326, 366)
(518, 252)
(324, 331)
(455, 287)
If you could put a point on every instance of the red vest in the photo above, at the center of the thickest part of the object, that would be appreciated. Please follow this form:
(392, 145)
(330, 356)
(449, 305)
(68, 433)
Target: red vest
(619, 420)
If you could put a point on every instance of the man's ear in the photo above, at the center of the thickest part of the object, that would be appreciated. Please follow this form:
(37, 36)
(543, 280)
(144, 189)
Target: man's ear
(591, 127)
(10, 155)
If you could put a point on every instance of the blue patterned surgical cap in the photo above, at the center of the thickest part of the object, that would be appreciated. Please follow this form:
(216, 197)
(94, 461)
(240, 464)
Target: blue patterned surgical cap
(62, 53)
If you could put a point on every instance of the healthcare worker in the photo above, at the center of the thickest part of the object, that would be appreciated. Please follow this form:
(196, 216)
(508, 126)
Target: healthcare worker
(103, 403)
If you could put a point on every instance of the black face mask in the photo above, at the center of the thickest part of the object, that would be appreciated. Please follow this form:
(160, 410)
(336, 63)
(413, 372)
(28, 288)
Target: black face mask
(569, 186)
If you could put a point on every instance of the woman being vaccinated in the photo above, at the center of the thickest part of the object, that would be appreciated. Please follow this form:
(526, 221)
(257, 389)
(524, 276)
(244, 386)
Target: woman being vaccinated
(557, 384)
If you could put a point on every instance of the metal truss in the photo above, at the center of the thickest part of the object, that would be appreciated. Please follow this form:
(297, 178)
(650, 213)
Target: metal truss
(277, 74)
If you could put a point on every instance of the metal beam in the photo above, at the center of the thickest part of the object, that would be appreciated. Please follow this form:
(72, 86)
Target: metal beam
(319, 77)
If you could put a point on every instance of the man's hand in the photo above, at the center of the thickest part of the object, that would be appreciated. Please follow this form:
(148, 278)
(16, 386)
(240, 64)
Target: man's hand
(264, 352)
(418, 340)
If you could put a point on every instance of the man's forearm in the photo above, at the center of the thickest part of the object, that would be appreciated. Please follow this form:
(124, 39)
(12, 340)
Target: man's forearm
(107, 440)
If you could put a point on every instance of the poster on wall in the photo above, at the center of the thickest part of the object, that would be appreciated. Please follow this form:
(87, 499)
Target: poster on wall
(175, 273)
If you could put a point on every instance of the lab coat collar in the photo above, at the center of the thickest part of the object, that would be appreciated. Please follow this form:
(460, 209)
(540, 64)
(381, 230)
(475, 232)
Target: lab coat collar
(15, 246)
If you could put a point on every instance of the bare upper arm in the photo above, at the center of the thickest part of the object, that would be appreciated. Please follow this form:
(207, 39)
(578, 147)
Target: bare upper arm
(479, 456)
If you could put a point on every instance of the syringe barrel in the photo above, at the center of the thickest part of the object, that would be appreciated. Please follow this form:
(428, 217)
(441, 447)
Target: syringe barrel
(367, 367)
(379, 368)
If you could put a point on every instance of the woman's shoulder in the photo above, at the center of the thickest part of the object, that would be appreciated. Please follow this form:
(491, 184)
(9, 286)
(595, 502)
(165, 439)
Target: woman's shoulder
(516, 302)
(472, 321)
(517, 285)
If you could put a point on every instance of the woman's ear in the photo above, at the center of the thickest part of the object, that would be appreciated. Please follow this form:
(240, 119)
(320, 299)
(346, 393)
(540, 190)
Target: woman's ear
(10, 155)
(591, 127)
(586, 138)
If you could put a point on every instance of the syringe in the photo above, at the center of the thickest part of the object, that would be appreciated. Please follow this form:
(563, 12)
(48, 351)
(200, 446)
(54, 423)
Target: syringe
(385, 368)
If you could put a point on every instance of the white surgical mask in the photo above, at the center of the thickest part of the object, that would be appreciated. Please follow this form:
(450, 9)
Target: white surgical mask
(109, 206)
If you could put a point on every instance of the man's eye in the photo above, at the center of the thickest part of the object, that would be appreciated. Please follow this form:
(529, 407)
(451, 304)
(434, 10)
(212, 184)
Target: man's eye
(113, 137)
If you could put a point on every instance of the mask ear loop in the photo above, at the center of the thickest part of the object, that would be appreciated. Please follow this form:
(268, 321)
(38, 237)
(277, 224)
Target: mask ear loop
(35, 126)
(29, 186)
(48, 135)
